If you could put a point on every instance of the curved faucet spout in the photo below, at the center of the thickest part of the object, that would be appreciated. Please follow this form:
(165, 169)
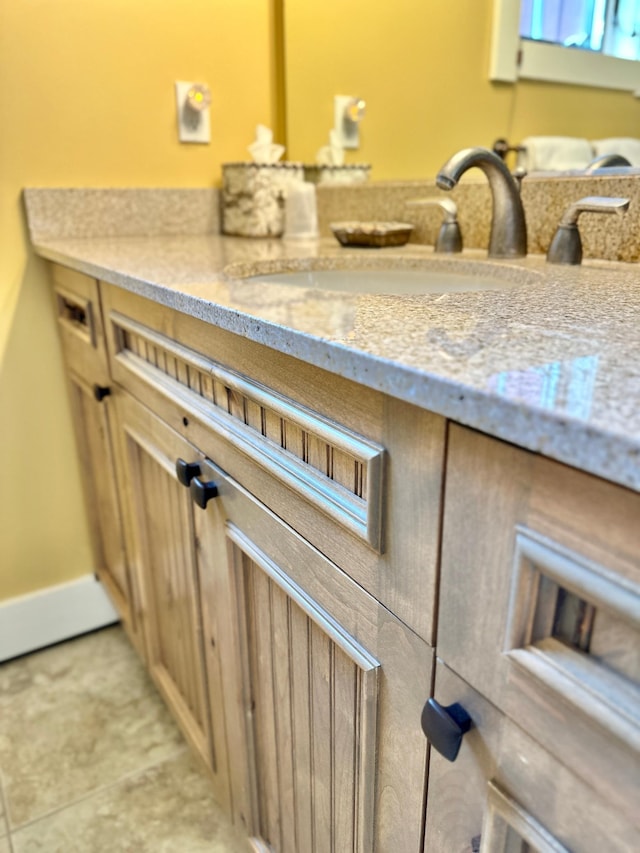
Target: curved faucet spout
(606, 161)
(508, 237)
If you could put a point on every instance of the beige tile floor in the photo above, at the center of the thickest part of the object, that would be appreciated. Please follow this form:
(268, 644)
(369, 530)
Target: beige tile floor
(91, 761)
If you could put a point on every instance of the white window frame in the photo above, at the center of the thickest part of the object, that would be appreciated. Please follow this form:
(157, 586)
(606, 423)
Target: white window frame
(513, 58)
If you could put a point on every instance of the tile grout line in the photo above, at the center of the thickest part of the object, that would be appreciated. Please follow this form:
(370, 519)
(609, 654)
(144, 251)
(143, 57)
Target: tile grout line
(5, 812)
(99, 790)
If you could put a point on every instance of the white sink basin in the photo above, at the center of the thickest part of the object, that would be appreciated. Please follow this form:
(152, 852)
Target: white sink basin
(356, 275)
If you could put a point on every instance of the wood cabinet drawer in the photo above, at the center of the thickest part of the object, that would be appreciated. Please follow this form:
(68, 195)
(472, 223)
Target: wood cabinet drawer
(504, 793)
(355, 472)
(77, 308)
(540, 604)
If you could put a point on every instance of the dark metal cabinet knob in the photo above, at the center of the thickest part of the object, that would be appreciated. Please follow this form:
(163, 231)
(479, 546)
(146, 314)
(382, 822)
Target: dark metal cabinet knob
(445, 727)
(186, 471)
(100, 392)
(202, 492)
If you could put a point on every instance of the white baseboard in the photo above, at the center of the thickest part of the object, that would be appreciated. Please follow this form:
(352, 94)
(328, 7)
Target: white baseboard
(51, 615)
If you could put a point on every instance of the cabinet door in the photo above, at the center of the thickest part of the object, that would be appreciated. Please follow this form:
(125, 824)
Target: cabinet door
(323, 688)
(93, 423)
(161, 543)
(540, 604)
(504, 793)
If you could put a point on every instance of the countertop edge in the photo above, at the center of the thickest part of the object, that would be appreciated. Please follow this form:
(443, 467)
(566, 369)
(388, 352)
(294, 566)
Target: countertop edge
(526, 426)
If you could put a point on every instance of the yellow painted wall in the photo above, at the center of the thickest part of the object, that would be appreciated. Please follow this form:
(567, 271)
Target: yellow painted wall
(422, 66)
(87, 99)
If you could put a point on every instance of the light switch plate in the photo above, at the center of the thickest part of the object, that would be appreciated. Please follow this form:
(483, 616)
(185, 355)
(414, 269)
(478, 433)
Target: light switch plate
(192, 126)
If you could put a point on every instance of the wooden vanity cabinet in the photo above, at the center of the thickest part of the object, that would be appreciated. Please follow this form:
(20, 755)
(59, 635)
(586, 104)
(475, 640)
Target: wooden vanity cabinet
(81, 331)
(314, 685)
(314, 689)
(266, 619)
(291, 622)
(539, 635)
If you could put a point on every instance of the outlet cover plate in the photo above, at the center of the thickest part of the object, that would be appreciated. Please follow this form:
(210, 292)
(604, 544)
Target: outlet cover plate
(192, 126)
(348, 131)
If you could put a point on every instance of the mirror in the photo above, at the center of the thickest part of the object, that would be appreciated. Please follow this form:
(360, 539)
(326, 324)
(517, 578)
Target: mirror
(422, 66)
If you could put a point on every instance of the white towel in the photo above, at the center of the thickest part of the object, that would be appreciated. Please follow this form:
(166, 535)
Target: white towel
(555, 153)
(625, 145)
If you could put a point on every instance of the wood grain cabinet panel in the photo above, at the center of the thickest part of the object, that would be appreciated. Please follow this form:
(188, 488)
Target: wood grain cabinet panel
(356, 472)
(505, 793)
(540, 604)
(302, 691)
(163, 553)
(322, 686)
(93, 424)
(78, 311)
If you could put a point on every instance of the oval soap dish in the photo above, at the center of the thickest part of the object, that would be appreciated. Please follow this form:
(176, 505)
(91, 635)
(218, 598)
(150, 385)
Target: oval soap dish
(372, 234)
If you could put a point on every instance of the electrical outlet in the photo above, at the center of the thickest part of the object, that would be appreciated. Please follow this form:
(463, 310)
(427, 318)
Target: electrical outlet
(192, 103)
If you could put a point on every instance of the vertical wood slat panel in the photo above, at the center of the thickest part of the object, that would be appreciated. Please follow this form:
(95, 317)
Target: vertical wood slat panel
(221, 395)
(314, 726)
(253, 414)
(170, 582)
(206, 388)
(299, 650)
(182, 372)
(165, 547)
(322, 735)
(194, 380)
(294, 439)
(344, 741)
(175, 548)
(151, 484)
(318, 454)
(172, 367)
(262, 680)
(273, 427)
(344, 470)
(282, 711)
(236, 405)
(183, 581)
(363, 480)
(162, 364)
(135, 344)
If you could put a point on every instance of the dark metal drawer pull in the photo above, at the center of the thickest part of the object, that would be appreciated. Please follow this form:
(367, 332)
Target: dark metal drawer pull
(444, 727)
(100, 392)
(202, 492)
(186, 471)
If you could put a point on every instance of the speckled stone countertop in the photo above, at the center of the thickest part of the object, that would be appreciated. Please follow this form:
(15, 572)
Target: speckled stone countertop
(552, 364)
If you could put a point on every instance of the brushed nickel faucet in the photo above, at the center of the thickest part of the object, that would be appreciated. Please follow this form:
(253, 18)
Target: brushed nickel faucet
(449, 240)
(508, 238)
(566, 246)
(606, 161)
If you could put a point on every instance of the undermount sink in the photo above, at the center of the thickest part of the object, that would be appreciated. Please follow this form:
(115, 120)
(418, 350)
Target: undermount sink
(401, 276)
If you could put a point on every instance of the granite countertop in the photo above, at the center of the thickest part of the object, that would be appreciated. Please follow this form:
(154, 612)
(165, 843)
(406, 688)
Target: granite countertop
(552, 365)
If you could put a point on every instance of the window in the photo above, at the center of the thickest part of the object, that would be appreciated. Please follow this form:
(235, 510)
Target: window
(611, 27)
(586, 42)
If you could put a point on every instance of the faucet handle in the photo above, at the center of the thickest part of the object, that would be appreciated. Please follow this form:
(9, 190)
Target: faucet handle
(449, 239)
(566, 246)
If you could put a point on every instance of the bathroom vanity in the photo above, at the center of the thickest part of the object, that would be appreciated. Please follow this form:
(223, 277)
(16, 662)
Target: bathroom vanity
(317, 511)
